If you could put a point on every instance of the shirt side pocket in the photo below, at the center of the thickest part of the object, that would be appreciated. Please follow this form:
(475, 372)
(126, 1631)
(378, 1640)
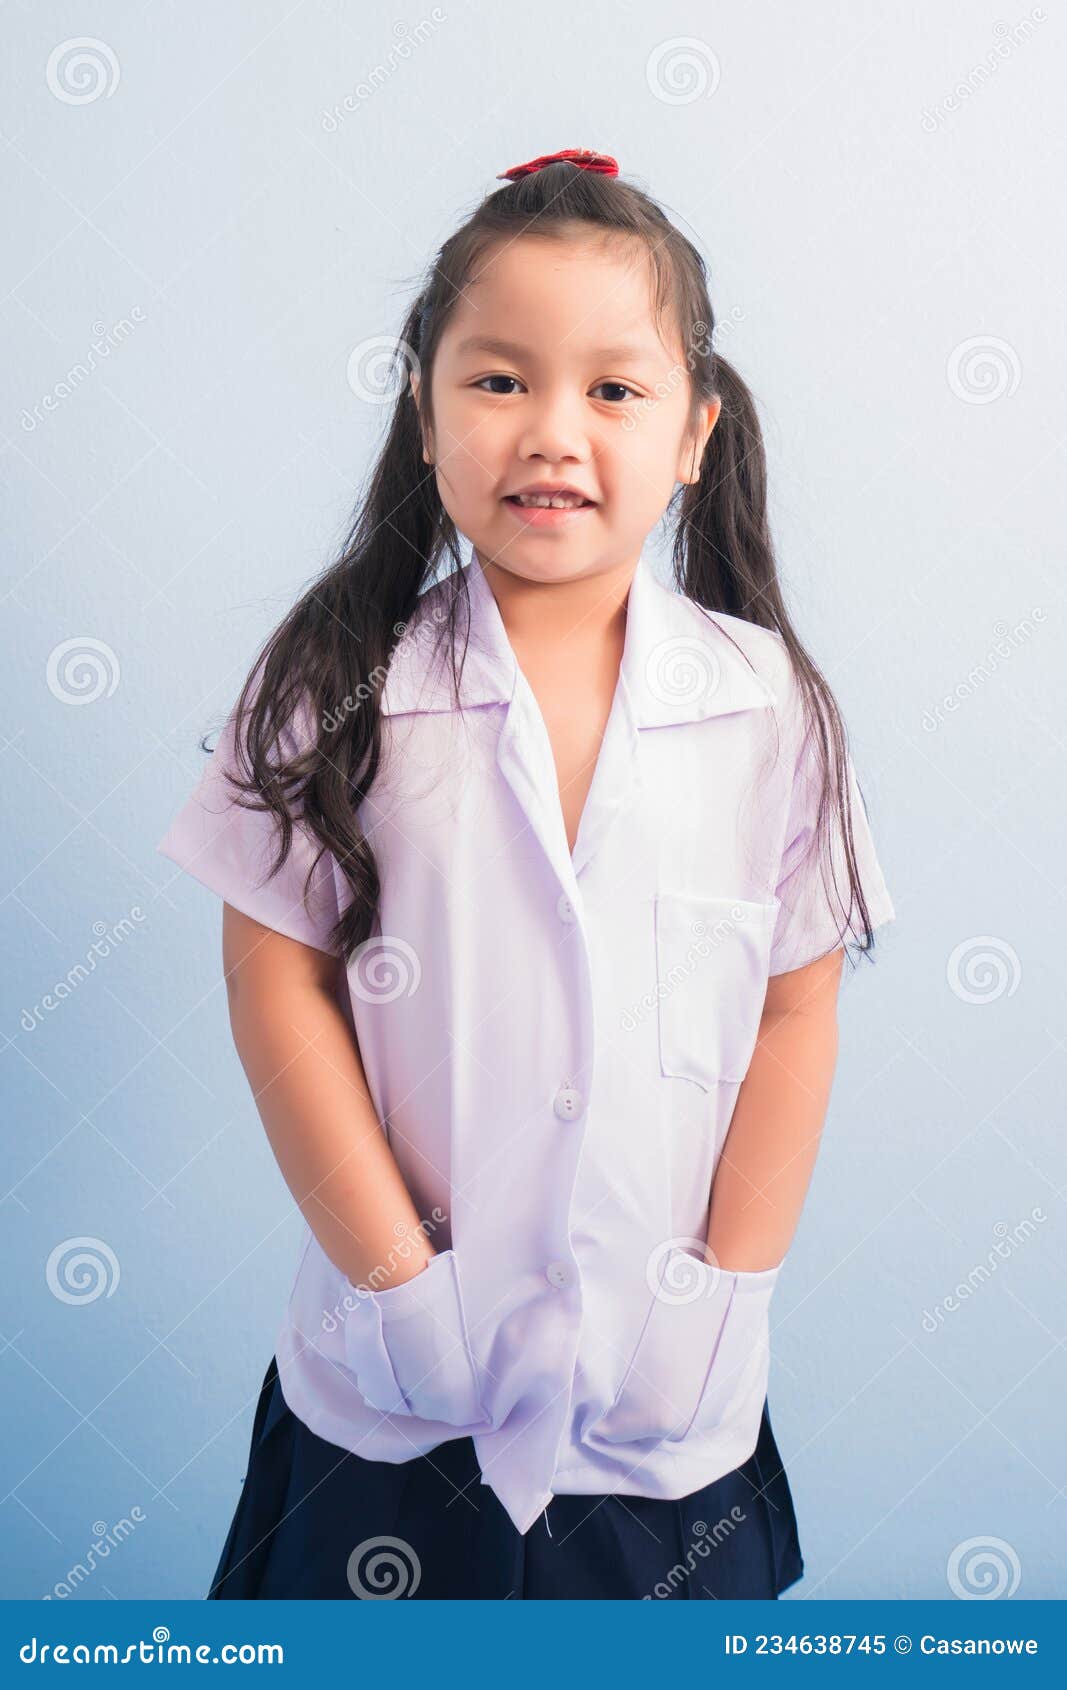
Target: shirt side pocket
(701, 1358)
(410, 1349)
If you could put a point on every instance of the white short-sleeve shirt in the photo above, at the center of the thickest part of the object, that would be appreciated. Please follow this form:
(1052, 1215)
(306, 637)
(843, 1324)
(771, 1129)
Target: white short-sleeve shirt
(555, 1044)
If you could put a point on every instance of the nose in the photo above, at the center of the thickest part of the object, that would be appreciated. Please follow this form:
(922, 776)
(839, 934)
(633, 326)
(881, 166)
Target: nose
(553, 429)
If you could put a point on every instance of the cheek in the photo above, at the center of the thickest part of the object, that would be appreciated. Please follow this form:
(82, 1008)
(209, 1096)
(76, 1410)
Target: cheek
(469, 466)
(466, 478)
(473, 442)
(654, 445)
(643, 462)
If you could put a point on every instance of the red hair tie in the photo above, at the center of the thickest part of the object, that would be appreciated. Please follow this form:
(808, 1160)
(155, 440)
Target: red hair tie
(584, 157)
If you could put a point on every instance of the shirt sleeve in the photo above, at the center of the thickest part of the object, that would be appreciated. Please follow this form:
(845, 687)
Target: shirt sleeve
(229, 849)
(813, 884)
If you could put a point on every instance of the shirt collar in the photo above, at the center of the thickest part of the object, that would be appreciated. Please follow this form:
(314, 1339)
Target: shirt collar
(679, 661)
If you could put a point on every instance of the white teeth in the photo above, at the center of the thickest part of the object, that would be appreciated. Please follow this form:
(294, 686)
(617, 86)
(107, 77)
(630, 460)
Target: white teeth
(559, 502)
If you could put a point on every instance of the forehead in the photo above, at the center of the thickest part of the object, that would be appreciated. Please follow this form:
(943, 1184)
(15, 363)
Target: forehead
(576, 295)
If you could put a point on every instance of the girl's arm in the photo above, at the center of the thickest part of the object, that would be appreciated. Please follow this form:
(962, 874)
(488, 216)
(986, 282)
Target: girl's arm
(767, 1160)
(310, 1088)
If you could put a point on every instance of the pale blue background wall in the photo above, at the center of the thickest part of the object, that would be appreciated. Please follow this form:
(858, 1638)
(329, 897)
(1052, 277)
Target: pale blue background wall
(886, 255)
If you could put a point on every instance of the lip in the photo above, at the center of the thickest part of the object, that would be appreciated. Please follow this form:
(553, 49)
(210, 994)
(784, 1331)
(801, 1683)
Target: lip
(544, 516)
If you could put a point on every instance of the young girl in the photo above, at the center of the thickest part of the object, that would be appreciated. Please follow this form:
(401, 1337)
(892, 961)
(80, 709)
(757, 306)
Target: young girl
(537, 878)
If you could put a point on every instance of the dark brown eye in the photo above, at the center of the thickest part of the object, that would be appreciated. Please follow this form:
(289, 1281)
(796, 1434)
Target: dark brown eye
(619, 386)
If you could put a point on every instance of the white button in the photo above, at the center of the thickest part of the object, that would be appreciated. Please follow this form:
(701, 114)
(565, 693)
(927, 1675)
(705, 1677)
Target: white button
(568, 1103)
(560, 1274)
(564, 908)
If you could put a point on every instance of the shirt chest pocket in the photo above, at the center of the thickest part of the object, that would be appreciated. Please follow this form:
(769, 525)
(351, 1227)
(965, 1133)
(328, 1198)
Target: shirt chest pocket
(712, 960)
(701, 1363)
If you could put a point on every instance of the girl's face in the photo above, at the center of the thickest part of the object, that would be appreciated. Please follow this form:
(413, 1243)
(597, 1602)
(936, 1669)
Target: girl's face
(551, 372)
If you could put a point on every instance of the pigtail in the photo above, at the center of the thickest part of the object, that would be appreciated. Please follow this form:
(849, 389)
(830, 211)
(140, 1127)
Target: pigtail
(309, 740)
(724, 559)
(722, 545)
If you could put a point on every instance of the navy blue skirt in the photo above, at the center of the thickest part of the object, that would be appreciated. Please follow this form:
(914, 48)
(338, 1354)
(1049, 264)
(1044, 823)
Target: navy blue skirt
(315, 1521)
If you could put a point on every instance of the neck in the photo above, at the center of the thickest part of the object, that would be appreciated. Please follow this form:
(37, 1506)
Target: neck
(572, 615)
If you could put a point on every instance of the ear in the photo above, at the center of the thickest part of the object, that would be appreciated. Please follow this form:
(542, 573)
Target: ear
(414, 382)
(693, 448)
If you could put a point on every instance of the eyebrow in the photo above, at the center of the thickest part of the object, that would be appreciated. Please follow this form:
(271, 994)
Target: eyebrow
(622, 352)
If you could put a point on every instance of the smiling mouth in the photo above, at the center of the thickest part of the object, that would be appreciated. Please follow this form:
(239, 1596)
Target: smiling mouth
(541, 501)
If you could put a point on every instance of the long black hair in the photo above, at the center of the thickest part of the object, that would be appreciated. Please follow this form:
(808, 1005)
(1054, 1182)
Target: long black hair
(336, 642)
